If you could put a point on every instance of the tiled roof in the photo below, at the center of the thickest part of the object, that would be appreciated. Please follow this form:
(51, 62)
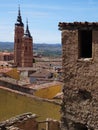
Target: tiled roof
(42, 73)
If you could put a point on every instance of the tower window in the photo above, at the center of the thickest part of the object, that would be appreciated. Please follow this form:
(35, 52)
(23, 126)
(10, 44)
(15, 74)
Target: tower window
(17, 40)
(85, 43)
(25, 48)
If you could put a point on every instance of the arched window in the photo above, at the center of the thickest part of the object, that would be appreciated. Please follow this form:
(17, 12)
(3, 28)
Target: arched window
(25, 48)
(29, 48)
(17, 40)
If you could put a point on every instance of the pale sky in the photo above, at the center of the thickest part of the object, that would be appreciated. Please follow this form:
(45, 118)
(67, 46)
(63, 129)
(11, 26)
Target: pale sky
(44, 16)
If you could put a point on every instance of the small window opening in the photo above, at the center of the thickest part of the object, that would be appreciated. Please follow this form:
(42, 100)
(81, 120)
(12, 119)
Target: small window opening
(79, 126)
(25, 48)
(85, 43)
(18, 41)
(5, 58)
(84, 94)
(18, 64)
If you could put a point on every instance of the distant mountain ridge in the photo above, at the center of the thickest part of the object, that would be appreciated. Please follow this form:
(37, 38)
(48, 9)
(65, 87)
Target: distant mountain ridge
(44, 49)
(6, 46)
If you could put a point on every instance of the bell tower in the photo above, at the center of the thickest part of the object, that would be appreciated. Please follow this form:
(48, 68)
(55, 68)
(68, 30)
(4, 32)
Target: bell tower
(27, 48)
(19, 32)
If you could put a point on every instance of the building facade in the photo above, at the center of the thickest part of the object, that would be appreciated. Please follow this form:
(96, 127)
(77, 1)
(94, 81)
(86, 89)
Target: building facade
(6, 56)
(23, 44)
(80, 67)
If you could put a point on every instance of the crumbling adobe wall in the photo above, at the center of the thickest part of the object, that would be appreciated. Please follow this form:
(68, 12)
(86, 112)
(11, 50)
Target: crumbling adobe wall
(80, 102)
(26, 121)
(52, 124)
(30, 124)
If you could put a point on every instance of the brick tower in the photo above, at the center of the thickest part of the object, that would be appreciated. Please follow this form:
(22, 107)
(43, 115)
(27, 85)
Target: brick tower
(19, 32)
(23, 53)
(27, 49)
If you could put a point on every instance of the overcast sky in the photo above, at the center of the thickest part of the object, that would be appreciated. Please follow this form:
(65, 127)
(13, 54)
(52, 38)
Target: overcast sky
(44, 16)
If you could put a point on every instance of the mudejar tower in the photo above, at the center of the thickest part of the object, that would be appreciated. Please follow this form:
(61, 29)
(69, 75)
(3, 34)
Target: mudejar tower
(23, 48)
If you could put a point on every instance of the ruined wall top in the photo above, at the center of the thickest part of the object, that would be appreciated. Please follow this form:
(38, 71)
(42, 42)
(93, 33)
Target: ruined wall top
(17, 119)
(78, 26)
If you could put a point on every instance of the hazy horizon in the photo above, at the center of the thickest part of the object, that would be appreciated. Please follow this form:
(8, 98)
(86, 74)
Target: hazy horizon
(44, 17)
(33, 43)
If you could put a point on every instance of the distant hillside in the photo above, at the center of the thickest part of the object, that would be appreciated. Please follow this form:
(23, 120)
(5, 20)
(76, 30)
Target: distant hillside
(6, 46)
(40, 48)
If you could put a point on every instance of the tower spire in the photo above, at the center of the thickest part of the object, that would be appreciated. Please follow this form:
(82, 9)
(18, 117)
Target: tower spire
(19, 18)
(27, 32)
(19, 14)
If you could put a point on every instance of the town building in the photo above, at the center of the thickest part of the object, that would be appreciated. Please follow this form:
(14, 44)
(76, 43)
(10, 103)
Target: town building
(28, 121)
(23, 44)
(80, 67)
(6, 56)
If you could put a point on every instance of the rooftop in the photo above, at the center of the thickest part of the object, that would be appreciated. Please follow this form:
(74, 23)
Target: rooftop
(78, 25)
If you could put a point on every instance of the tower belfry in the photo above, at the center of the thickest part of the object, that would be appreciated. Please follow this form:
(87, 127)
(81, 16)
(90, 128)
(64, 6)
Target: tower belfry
(23, 53)
(27, 48)
(19, 32)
